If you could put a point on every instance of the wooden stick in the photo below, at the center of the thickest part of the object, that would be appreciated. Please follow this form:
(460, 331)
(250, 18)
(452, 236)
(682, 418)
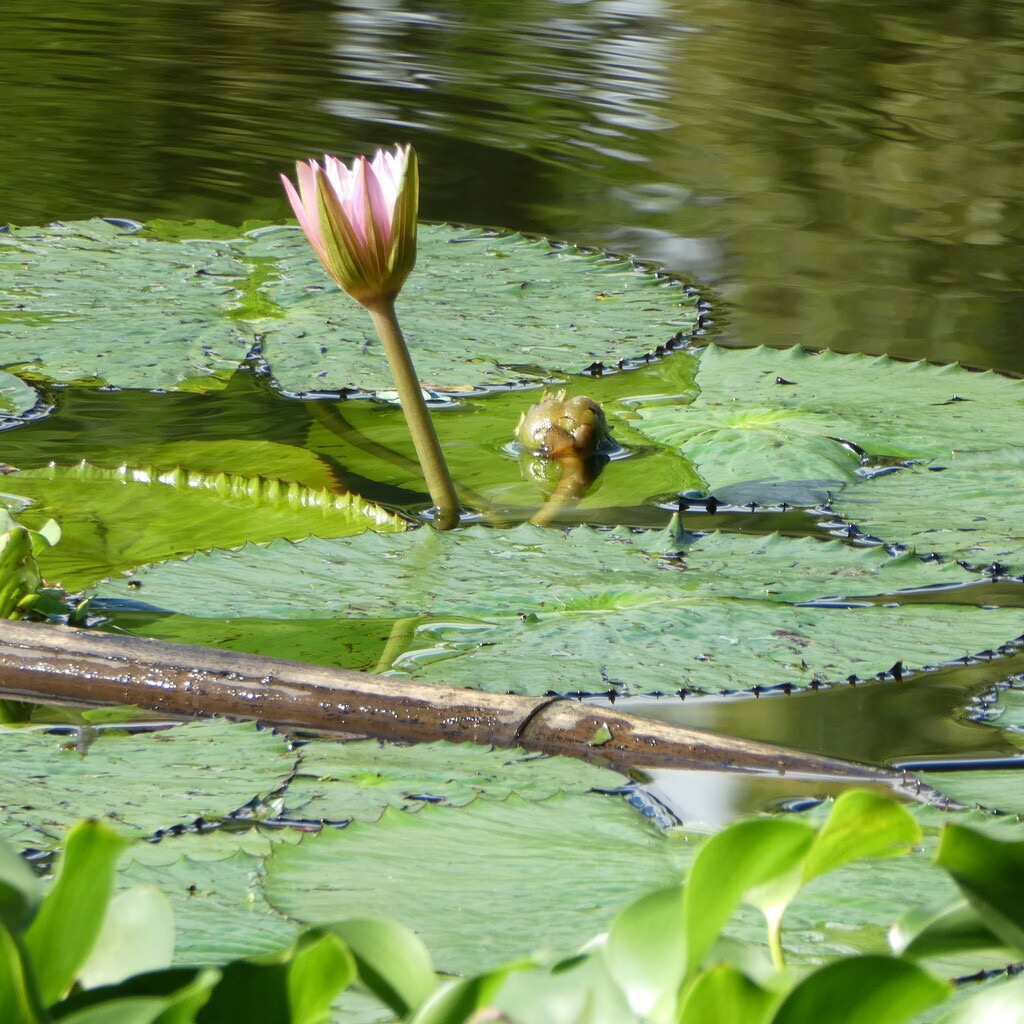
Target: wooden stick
(45, 662)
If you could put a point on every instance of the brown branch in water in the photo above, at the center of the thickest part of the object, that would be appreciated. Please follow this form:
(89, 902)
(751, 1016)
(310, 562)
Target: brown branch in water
(41, 662)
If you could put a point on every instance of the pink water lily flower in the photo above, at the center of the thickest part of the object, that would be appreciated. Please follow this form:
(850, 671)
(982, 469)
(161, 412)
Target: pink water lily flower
(361, 219)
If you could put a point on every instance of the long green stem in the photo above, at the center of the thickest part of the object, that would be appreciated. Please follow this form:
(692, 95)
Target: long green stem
(421, 426)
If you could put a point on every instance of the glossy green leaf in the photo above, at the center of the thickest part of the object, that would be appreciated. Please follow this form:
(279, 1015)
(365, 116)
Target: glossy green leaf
(857, 990)
(294, 986)
(645, 952)
(950, 929)
(137, 936)
(20, 1002)
(725, 995)
(171, 996)
(481, 308)
(19, 570)
(320, 968)
(577, 991)
(64, 930)
(391, 961)
(990, 872)
(749, 854)
(20, 890)
(184, 511)
(862, 824)
(459, 999)
(130, 1010)
(715, 619)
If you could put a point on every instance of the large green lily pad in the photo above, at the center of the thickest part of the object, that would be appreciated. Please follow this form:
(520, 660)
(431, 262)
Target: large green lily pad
(722, 617)
(968, 505)
(767, 425)
(481, 309)
(358, 780)
(16, 397)
(97, 303)
(220, 911)
(140, 782)
(481, 884)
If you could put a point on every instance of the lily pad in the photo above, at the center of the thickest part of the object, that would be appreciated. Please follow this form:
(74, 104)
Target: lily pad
(993, 789)
(483, 884)
(546, 876)
(720, 617)
(343, 781)
(200, 770)
(16, 397)
(765, 419)
(1007, 711)
(481, 309)
(968, 505)
(101, 511)
(98, 303)
(220, 911)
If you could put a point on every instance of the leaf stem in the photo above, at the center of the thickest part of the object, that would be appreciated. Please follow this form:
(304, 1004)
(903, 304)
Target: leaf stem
(778, 954)
(417, 416)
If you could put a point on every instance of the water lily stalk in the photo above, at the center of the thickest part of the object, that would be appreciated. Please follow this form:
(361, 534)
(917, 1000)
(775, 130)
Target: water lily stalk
(361, 223)
(417, 415)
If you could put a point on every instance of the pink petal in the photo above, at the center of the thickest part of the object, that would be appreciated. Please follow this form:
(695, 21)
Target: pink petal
(355, 202)
(304, 206)
(339, 177)
(382, 204)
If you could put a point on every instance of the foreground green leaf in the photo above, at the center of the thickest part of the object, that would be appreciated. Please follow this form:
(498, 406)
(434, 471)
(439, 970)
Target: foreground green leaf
(390, 960)
(990, 873)
(727, 996)
(64, 930)
(878, 989)
(750, 854)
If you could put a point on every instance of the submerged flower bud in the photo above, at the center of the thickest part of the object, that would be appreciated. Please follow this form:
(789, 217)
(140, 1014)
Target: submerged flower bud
(361, 220)
(558, 427)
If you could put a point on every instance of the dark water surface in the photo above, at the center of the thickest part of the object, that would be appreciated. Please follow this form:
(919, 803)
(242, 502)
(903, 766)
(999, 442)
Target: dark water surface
(846, 175)
(836, 174)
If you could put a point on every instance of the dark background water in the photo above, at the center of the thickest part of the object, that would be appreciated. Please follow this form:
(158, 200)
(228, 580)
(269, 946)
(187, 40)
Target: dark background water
(842, 175)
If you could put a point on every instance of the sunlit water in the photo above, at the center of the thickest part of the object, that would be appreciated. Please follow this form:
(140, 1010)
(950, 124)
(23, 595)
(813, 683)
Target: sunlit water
(841, 175)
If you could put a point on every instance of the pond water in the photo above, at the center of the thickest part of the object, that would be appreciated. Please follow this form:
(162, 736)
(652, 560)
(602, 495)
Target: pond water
(832, 175)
